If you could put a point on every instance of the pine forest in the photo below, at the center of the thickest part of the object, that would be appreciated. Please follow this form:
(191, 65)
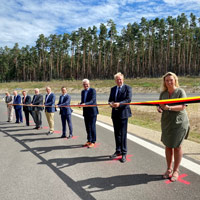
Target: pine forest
(149, 48)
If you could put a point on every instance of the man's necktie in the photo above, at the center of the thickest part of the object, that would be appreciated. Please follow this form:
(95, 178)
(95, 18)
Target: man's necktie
(47, 97)
(118, 93)
(61, 100)
(34, 99)
(85, 95)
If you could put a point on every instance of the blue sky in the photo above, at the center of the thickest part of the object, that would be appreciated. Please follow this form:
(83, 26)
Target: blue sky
(22, 21)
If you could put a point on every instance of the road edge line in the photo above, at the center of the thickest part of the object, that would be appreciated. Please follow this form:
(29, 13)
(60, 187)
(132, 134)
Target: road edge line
(190, 165)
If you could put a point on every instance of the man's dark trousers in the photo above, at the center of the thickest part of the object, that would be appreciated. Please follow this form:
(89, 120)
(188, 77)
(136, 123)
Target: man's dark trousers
(18, 114)
(90, 125)
(26, 113)
(67, 118)
(120, 130)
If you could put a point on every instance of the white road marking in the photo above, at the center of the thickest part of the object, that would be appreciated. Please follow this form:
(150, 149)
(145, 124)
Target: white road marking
(192, 166)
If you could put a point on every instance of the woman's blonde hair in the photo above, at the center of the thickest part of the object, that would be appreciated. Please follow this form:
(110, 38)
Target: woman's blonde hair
(163, 86)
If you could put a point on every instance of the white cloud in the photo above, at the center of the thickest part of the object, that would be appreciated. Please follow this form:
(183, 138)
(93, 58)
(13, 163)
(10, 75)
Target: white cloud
(176, 2)
(23, 20)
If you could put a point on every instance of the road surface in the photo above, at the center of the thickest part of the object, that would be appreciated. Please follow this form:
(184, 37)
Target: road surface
(35, 166)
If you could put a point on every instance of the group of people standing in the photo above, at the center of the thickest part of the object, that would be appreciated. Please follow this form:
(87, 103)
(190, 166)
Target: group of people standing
(174, 120)
(33, 107)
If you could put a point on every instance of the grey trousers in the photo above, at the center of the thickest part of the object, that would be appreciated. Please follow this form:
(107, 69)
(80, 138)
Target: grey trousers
(37, 116)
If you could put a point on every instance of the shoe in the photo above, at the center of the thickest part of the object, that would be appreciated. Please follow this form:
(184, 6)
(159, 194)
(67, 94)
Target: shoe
(115, 155)
(8, 121)
(175, 176)
(16, 122)
(123, 159)
(35, 128)
(38, 128)
(86, 144)
(70, 136)
(63, 136)
(168, 173)
(91, 145)
(50, 133)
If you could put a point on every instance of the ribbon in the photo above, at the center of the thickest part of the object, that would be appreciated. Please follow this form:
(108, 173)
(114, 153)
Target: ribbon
(144, 103)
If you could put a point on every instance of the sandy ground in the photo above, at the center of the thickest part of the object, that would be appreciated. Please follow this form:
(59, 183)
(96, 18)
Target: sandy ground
(190, 149)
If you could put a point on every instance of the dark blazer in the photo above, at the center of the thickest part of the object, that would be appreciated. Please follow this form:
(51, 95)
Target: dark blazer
(17, 100)
(37, 100)
(90, 100)
(123, 111)
(50, 102)
(65, 102)
(27, 101)
(8, 99)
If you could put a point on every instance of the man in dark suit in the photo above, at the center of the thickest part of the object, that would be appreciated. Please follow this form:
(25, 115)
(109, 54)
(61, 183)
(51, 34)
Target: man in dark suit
(65, 112)
(18, 108)
(88, 97)
(49, 103)
(36, 110)
(26, 100)
(120, 94)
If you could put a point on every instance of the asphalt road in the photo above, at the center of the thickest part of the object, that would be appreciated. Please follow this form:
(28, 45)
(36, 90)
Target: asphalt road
(34, 166)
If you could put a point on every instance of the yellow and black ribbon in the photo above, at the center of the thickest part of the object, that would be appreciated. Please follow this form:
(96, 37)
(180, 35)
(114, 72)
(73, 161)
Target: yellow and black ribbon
(179, 101)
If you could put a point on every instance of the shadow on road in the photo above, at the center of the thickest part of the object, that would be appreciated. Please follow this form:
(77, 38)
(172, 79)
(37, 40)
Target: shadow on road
(91, 185)
(27, 134)
(10, 128)
(40, 139)
(42, 150)
(100, 184)
(76, 188)
(67, 162)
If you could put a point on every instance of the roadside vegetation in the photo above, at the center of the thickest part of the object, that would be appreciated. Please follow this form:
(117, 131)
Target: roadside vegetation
(190, 84)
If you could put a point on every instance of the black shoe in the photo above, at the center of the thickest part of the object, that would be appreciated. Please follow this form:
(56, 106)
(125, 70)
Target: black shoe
(16, 122)
(70, 136)
(115, 155)
(63, 136)
(8, 121)
(35, 128)
(123, 159)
